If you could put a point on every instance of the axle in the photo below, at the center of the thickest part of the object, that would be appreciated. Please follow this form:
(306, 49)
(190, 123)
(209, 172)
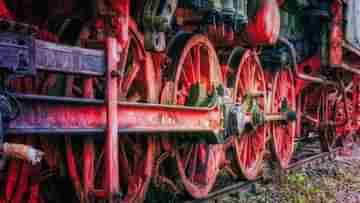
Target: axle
(239, 121)
(288, 116)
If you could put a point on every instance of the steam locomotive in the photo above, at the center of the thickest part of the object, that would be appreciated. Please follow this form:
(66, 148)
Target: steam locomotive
(102, 100)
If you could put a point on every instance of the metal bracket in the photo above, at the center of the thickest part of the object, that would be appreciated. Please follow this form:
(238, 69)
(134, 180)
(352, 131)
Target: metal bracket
(157, 23)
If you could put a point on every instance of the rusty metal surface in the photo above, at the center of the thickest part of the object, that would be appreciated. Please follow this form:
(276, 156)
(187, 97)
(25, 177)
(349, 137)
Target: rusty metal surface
(16, 52)
(124, 71)
(47, 114)
(24, 53)
(59, 58)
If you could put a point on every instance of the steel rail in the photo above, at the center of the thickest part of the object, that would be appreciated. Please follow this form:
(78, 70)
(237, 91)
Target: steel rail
(350, 48)
(246, 185)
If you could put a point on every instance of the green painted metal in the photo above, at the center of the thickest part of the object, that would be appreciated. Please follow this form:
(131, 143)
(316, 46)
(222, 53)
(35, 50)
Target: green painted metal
(197, 96)
(294, 6)
(292, 25)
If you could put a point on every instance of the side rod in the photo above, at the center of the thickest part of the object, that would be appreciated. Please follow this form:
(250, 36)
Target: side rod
(62, 115)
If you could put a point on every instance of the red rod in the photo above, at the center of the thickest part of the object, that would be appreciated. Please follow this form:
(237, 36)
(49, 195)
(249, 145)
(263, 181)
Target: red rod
(111, 150)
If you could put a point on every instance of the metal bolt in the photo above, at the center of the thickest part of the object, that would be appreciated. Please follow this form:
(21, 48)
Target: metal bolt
(115, 74)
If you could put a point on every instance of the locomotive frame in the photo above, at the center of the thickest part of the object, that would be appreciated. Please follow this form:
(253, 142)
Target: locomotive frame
(146, 95)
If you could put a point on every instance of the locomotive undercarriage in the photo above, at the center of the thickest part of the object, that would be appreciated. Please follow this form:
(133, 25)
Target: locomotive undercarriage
(182, 85)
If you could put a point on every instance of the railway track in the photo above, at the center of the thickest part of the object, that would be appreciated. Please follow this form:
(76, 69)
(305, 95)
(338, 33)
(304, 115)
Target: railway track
(247, 186)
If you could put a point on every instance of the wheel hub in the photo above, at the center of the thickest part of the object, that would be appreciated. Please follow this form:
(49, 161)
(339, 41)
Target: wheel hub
(248, 117)
(238, 120)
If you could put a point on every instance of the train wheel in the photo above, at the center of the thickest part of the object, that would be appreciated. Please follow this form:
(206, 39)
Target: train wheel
(329, 101)
(345, 133)
(334, 108)
(136, 163)
(136, 152)
(249, 90)
(194, 67)
(340, 116)
(283, 100)
(18, 186)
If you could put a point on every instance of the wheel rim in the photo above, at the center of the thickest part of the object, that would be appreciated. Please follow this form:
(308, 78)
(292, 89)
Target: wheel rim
(197, 64)
(250, 145)
(283, 133)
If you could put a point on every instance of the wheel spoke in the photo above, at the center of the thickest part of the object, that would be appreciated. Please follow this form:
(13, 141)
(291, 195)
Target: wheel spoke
(197, 62)
(253, 78)
(125, 164)
(189, 70)
(130, 77)
(189, 156)
(185, 79)
(247, 74)
(124, 59)
(248, 152)
(244, 83)
(242, 91)
(194, 163)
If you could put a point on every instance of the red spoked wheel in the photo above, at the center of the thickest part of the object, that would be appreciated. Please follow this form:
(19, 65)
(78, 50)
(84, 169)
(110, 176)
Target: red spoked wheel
(336, 108)
(341, 115)
(136, 166)
(25, 182)
(344, 112)
(329, 99)
(249, 90)
(136, 152)
(283, 100)
(195, 66)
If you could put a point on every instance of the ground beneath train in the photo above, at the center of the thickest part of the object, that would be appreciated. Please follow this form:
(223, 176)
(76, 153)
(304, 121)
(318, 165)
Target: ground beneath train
(335, 180)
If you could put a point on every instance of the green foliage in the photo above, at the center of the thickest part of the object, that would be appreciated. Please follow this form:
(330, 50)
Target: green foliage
(300, 188)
